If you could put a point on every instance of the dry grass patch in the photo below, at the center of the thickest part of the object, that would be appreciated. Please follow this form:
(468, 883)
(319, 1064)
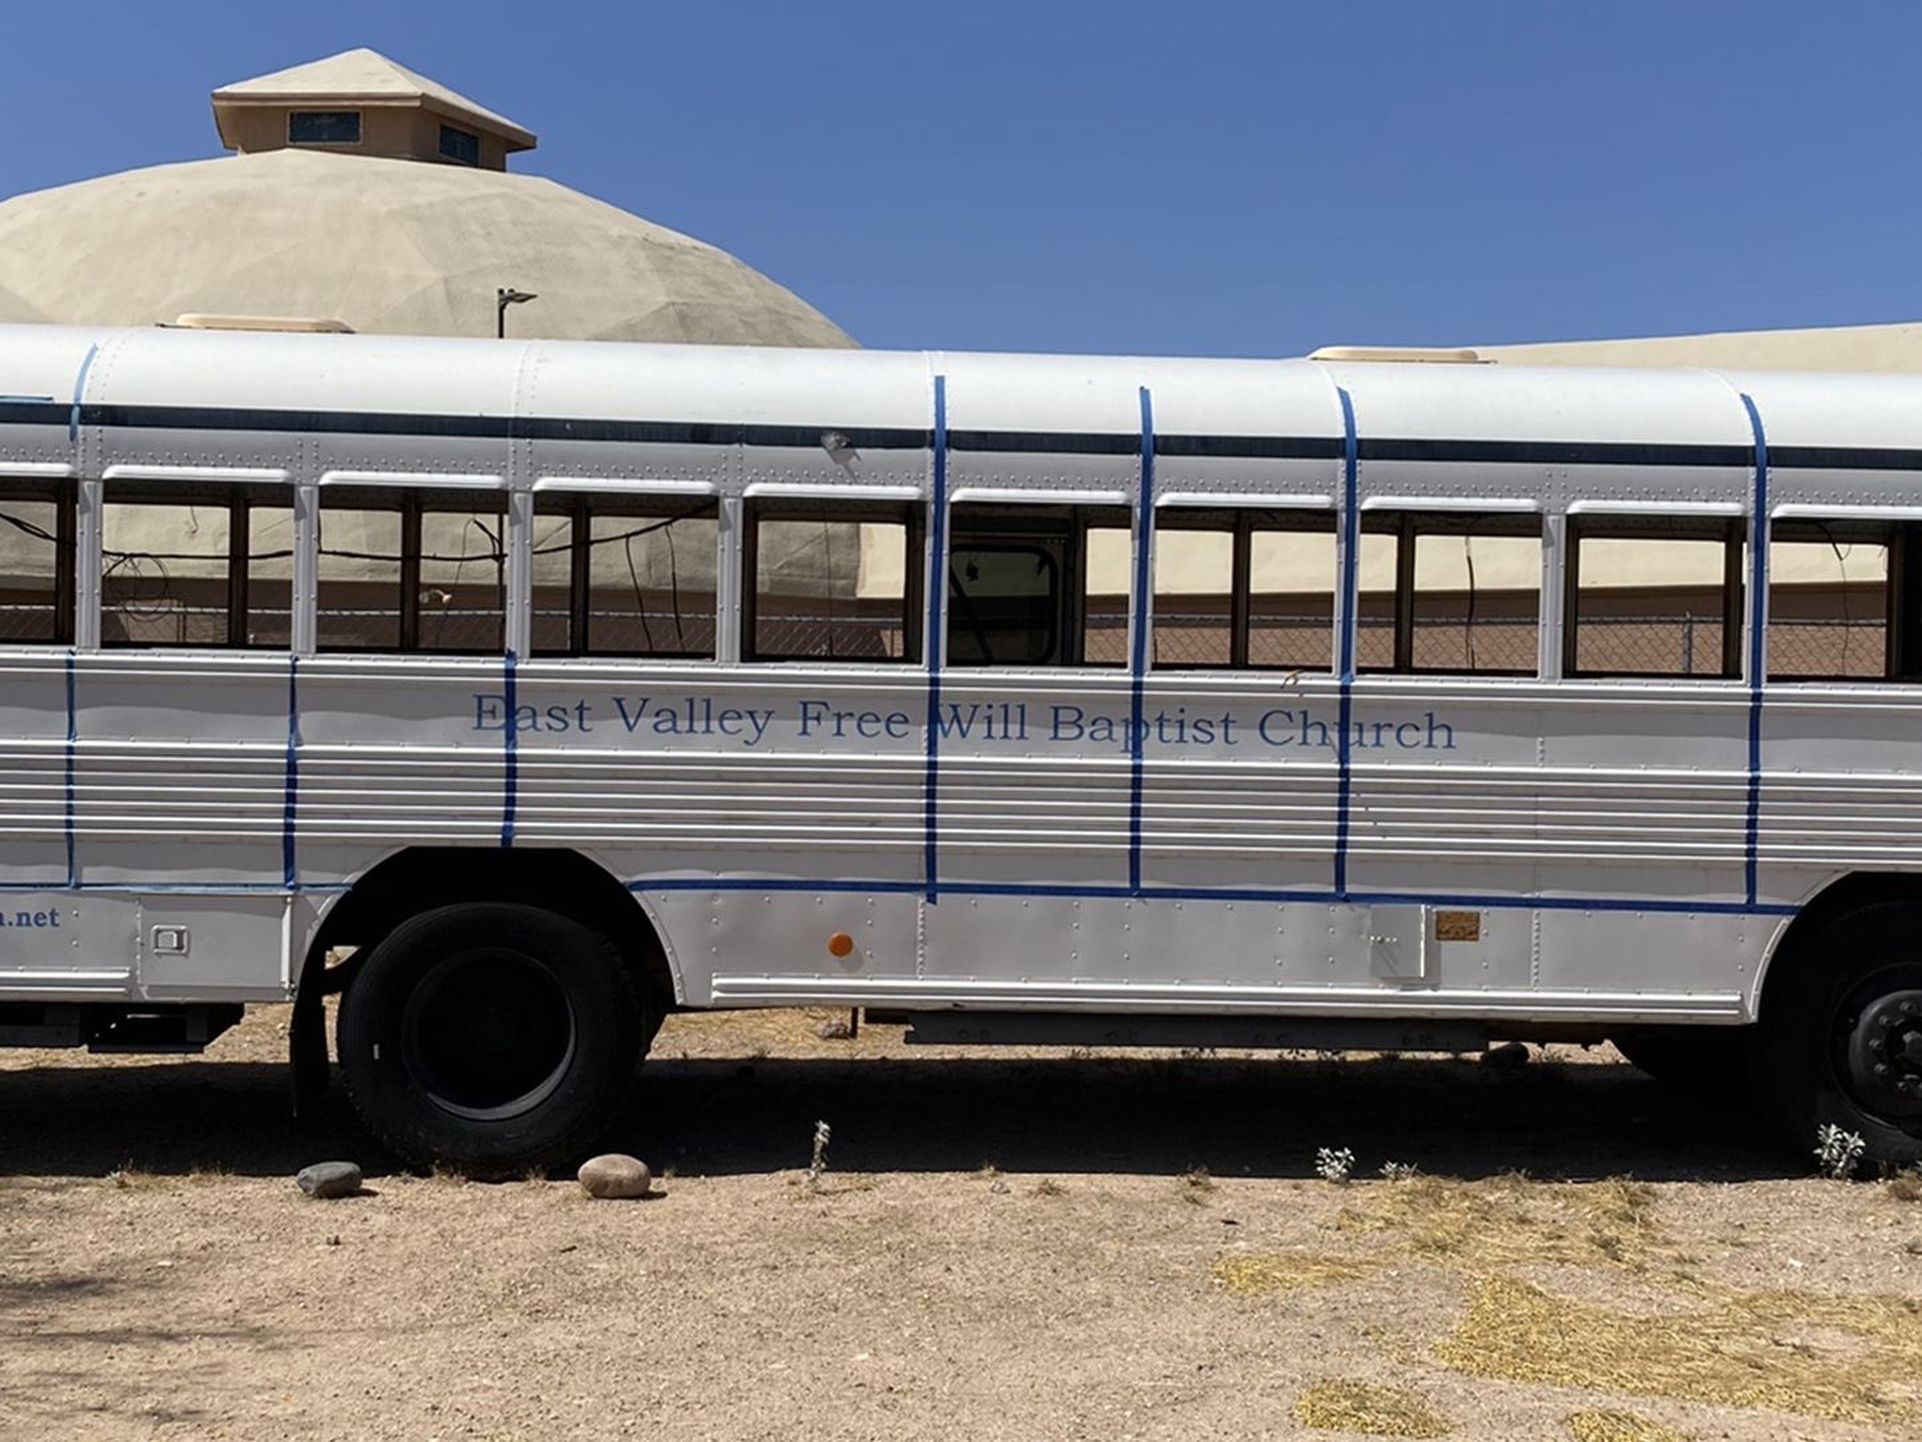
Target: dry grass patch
(1847, 1359)
(1511, 1221)
(1253, 1274)
(1619, 1427)
(1370, 1410)
(1906, 1185)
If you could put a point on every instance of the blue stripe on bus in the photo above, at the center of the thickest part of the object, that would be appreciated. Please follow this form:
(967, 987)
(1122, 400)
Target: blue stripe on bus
(180, 888)
(290, 799)
(1251, 894)
(1757, 655)
(1138, 648)
(1350, 572)
(510, 746)
(73, 755)
(935, 645)
(79, 391)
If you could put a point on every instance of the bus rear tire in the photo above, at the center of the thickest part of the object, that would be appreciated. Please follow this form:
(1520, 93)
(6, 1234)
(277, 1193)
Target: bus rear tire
(1842, 1035)
(491, 1038)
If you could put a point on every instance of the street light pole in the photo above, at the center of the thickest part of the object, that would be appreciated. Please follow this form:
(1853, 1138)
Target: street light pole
(503, 298)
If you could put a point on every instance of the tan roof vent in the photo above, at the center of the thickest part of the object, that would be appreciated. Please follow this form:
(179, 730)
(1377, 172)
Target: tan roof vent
(1405, 354)
(200, 320)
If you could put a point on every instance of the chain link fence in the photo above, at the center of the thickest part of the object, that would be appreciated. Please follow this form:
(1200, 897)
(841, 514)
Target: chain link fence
(1673, 645)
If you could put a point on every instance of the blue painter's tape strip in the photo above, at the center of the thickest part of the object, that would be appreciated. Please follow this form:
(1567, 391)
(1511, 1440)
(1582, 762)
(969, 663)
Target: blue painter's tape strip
(1757, 654)
(73, 762)
(79, 393)
(290, 799)
(1138, 648)
(510, 758)
(934, 645)
(1255, 894)
(181, 888)
(1350, 591)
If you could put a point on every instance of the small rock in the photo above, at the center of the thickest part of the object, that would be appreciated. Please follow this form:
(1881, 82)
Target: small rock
(1000, 1188)
(615, 1177)
(1914, 1247)
(835, 1029)
(324, 1181)
(1506, 1057)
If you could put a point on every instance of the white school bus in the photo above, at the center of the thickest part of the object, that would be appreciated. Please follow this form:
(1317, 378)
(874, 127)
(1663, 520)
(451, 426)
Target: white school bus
(522, 694)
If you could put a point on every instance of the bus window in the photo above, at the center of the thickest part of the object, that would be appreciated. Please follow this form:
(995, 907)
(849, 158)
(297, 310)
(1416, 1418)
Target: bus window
(1291, 595)
(1038, 585)
(625, 578)
(1830, 596)
(460, 603)
(164, 577)
(268, 607)
(411, 574)
(1199, 581)
(1477, 599)
(1378, 567)
(837, 581)
(1107, 582)
(1654, 596)
(36, 566)
(1005, 603)
(1450, 594)
(1244, 588)
(198, 569)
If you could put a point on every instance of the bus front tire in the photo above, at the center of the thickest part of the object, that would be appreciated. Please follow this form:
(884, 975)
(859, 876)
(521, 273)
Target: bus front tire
(1842, 1035)
(493, 1039)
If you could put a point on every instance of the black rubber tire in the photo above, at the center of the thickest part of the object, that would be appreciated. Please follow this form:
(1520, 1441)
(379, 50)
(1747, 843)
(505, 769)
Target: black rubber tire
(490, 1038)
(1812, 1009)
(1702, 1061)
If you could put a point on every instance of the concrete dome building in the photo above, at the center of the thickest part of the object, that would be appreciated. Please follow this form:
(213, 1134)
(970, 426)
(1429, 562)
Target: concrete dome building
(15, 311)
(364, 193)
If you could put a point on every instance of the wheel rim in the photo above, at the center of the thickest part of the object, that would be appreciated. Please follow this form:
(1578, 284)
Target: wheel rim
(488, 1034)
(1879, 1036)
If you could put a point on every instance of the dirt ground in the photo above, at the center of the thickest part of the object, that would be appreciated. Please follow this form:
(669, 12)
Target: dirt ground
(1004, 1245)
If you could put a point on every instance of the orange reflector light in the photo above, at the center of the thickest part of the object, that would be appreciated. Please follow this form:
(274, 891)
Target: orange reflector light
(840, 944)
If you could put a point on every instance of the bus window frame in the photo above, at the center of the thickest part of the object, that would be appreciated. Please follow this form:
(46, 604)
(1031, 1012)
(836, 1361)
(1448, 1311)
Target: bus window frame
(1732, 531)
(580, 508)
(1048, 520)
(911, 515)
(238, 501)
(411, 505)
(1407, 526)
(1242, 522)
(64, 495)
(1901, 595)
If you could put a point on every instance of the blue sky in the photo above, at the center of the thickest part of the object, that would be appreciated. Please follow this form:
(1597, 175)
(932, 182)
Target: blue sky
(1217, 179)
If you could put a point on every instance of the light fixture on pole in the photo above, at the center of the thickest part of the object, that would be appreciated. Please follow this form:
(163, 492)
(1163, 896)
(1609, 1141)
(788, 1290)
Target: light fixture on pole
(503, 298)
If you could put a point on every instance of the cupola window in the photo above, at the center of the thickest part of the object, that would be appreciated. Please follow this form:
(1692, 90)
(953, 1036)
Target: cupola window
(326, 127)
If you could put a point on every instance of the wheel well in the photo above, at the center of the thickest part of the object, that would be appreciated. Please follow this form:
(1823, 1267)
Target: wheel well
(421, 878)
(1851, 893)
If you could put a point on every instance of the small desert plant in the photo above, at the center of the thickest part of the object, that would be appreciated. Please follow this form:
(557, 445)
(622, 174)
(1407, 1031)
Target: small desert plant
(1837, 1153)
(818, 1166)
(1049, 1187)
(1334, 1164)
(1399, 1171)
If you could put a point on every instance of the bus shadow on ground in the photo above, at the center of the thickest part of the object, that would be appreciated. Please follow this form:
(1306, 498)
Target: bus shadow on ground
(1147, 1115)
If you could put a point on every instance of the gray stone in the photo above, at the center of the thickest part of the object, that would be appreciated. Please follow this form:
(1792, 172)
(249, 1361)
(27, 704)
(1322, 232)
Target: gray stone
(615, 1177)
(324, 1181)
